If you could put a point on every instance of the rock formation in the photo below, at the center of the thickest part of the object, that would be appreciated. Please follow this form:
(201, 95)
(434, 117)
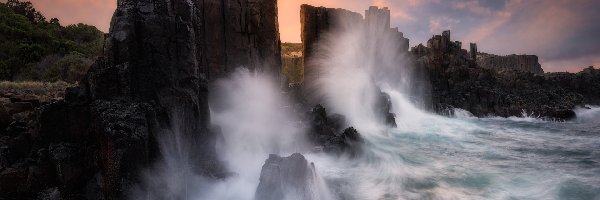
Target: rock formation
(153, 80)
(473, 51)
(317, 22)
(481, 83)
(458, 82)
(526, 63)
(328, 134)
(288, 178)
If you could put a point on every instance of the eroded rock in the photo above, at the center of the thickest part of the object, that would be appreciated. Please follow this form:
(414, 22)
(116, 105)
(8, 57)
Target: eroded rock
(328, 134)
(288, 178)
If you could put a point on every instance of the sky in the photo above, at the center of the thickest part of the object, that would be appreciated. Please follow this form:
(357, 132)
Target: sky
(565, 34)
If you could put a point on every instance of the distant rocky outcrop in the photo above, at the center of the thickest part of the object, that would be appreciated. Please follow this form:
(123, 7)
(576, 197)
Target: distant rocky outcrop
(457, 81)
(481, 83)
(526, 63)
(586, 83)
(159, 60)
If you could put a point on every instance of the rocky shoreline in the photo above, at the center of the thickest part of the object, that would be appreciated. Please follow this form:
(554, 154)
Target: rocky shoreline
(481, 83)
(159, 62)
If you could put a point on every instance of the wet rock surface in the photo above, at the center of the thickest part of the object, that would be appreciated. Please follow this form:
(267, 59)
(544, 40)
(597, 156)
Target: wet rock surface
(289, 177)
(159, 59)
(481, 83)
(331, 134)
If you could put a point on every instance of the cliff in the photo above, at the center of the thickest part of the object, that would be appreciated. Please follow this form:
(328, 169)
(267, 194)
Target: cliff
(152, 81)
(481, 83)
(316, 22)
(526, 63)
(457, 81)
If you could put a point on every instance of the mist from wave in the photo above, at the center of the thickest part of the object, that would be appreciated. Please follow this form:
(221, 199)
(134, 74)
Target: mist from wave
(429, 156)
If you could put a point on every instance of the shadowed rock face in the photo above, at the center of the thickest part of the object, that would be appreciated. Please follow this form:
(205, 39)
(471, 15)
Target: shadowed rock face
(316, 22)
(457, 81)
(287, 178)
(159, 60)
(481, 83)
(328, 134)
(526, 63)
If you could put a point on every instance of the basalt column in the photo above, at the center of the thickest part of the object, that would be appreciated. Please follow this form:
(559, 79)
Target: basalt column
(159, 59)
(316, 21)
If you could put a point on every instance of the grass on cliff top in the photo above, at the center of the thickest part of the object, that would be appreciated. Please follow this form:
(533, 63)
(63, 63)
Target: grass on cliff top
(291, 49)
(35, 85)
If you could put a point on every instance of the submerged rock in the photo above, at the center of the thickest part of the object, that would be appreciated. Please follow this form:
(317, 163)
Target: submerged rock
(289, 178)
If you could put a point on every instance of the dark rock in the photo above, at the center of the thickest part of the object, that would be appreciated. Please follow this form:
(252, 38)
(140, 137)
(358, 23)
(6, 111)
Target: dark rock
(16, 128)
(458, 82)
(19, 107)
(383, 109)
(4, 118)
(69, 166)
(473, 51)
(316, 22)
(50, 194)
(286, 178)
(153, 79)
(526, 63)
(13, 181)
(35, 102)
(327, 134)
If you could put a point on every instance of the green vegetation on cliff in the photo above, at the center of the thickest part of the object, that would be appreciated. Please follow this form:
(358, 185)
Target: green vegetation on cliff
(32, 48)
(293, 63)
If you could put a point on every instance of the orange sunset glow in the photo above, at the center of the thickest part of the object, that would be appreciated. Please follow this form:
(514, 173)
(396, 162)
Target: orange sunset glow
(501, 27)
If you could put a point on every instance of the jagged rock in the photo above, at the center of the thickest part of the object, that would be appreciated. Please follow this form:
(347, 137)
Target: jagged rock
(318, 21)
(383, 108)
(458, 82)
(315, 21)
(327, 134)
(159, 60)
(473, 51)
(69, 166)
(287, 178)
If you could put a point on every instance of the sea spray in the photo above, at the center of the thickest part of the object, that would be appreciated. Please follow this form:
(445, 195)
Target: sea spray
(255, 122)
(354, 61)
(252, 115)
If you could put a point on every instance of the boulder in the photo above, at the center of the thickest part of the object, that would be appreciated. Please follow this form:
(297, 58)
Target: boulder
(285, 178)
(328, 134)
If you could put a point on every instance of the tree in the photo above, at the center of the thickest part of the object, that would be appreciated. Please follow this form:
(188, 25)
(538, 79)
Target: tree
(55, 21)
(26, 9)
(30, 46)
